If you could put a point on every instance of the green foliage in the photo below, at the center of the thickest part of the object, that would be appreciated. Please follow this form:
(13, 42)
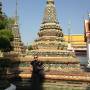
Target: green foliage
(5, 38)
(0, 7)
(6, 35)
(30, 47)
(3, 22)
(11, 21)
(3, 18)
(5, 44)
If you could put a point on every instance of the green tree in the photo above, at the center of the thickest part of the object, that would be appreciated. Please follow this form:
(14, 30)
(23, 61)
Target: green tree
(3, 19)
(3, 22)
(6, 35)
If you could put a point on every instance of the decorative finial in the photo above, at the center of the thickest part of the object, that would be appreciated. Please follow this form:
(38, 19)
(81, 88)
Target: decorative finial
(16, 7)
(16, 13)
(50, 1)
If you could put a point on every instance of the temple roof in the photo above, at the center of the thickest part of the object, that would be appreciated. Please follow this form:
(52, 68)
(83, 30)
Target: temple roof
(75, 38)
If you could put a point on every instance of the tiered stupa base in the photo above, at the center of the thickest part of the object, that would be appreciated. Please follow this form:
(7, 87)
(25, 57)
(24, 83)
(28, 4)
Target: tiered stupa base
(58, 60)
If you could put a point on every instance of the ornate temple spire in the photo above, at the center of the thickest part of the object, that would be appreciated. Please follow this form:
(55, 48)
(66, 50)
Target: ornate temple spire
(50, 12)
(17, 43)
(50, 31)
(16, 24)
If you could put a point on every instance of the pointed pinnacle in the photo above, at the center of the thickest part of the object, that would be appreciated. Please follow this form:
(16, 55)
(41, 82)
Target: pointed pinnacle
(50, 1)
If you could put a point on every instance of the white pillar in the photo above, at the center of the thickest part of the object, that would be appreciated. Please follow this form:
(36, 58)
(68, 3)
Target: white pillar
(70, 48)
(87, 36)
(88, 54)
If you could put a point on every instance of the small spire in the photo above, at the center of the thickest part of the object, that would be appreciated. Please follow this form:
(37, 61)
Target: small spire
(50, 0)
(16, 13)
(16, 7)
(69, 31)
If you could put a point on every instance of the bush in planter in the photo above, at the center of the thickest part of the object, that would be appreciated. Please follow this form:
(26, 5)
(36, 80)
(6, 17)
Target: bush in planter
(4, 84)
(5, 63)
